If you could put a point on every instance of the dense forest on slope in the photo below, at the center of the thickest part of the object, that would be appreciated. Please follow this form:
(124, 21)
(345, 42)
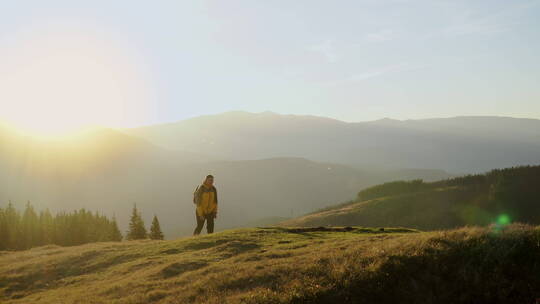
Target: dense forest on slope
(31, 229)
(499, 196)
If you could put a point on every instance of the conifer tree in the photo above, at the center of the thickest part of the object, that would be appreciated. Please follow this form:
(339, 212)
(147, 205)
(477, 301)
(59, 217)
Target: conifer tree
(66, 229)
(13, 222)
(155, 230)
(30, 228)
(114, 232)
(46, 225)
(4, 231)
(136, 230)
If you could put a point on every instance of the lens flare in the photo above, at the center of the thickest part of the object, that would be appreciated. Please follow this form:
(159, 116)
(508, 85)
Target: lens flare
(503, 220)
(60, 81)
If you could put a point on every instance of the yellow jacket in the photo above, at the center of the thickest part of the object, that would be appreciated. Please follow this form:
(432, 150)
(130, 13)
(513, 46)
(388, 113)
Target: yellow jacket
(206, 200)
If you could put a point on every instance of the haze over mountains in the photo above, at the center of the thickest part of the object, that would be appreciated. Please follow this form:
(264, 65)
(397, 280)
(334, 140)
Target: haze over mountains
(266, 165)
(458, 145)
(109, 171)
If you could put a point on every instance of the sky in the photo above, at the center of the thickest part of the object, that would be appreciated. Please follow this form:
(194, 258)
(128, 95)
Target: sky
(128, 63)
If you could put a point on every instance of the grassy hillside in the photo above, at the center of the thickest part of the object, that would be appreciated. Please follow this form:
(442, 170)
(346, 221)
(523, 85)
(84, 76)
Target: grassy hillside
(499, 196)
(285, 265)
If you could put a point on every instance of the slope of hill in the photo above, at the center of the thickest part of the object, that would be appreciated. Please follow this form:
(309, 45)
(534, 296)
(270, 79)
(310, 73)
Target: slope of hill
(459, 145)
(498, 196)
(279, 265)
(108, 171)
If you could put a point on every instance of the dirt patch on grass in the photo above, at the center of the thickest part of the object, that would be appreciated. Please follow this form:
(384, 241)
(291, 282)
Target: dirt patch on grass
(176, 269)
(235, 248)
(238, 247)
(253, 258)
(278, 255)
(142, 265)
(319, 229)
(345, 229)
(171, 251)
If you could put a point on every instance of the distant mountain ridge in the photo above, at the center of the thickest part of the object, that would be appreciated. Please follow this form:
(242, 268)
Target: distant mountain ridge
(465, 144)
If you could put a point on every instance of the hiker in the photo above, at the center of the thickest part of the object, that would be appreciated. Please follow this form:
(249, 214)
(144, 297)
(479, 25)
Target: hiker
(205, 197)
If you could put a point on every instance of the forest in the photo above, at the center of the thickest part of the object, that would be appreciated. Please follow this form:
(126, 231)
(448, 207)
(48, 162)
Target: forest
(32, 228)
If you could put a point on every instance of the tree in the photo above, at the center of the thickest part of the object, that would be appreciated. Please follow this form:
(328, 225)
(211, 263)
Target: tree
(30, 228)
(114, 232)
(136, 230)
(4, 231)
(12, 221)
(46, 223)
(155, 230)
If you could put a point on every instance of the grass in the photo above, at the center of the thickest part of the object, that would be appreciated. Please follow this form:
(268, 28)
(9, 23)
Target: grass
(509, 194)
(286, 265)
(442, 208)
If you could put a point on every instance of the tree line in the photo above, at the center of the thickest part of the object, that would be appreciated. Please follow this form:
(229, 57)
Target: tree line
(510, 181)
(19, 231)
(511, 191)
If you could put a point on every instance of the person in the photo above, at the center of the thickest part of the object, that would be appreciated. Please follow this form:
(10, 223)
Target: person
(205, 197)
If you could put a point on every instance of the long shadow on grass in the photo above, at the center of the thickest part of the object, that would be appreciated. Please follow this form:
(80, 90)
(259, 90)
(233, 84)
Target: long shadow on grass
(49, 276)
(488, 268)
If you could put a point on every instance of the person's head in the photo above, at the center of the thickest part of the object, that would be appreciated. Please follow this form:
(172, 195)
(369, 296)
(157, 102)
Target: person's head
(209, 180)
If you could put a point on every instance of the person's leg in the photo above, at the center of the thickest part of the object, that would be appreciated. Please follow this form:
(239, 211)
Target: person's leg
(210, 223)
(200, 224)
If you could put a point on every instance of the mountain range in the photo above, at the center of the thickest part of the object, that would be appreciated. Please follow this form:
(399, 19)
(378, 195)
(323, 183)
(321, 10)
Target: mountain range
(267, 166)
(457, 145)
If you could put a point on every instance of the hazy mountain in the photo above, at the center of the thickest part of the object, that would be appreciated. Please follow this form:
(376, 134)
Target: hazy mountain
(108, 171)
(460, 144)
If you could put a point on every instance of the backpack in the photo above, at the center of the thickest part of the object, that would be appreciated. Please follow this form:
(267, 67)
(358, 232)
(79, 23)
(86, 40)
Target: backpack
(195, 195)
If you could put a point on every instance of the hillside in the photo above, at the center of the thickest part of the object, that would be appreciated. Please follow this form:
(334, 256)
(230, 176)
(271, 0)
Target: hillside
(108, 171)
(279, 265)
(497, 196)
(458, 145)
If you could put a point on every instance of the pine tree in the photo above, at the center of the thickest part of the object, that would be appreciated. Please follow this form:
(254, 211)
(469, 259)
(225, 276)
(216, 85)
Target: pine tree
(114, 232)
(136, 230)
(13, 222)
(30, 228)
(4, 231)
(46, 223)
(155, 230)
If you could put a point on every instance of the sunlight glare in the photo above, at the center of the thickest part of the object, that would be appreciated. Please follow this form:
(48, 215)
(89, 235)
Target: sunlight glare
(58, 83)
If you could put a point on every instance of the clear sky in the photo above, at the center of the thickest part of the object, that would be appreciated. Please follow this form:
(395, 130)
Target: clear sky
(125, 63)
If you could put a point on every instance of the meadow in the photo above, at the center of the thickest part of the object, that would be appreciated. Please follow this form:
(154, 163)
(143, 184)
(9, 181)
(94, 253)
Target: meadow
(493, 264)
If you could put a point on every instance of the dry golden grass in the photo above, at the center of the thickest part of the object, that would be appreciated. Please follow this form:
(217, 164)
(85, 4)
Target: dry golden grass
(280, 265)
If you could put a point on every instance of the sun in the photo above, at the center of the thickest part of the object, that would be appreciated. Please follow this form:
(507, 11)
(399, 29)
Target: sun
(57, 83)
